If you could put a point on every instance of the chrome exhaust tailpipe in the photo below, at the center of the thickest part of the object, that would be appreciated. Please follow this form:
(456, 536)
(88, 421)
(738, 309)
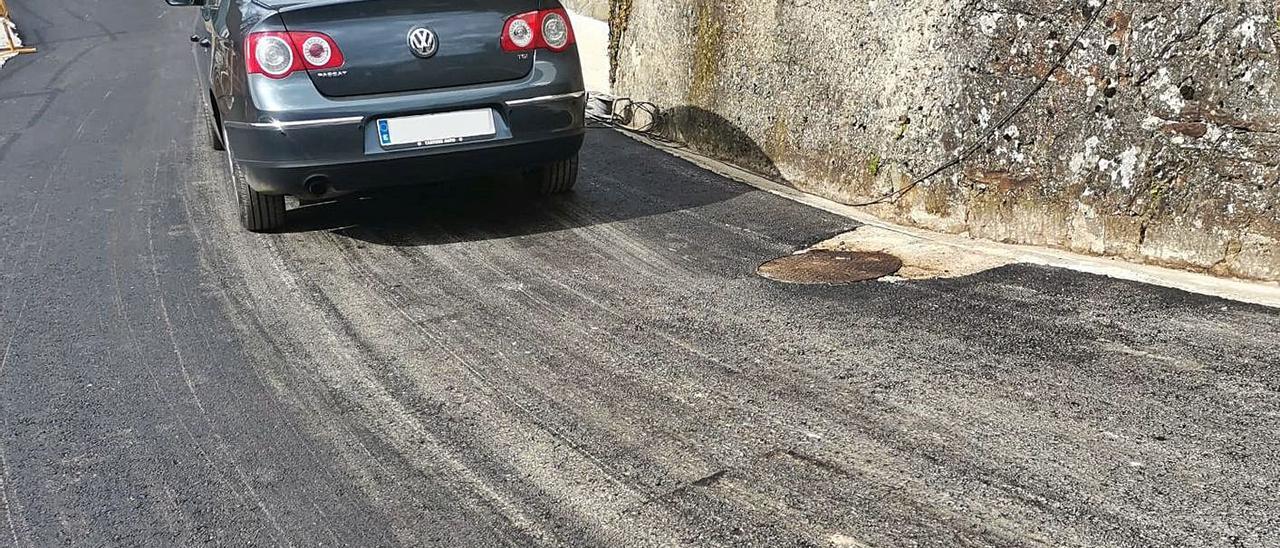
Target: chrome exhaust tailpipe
(317, 185)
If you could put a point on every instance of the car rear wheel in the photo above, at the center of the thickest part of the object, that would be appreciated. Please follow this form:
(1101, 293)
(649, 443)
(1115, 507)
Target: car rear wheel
(258, 212)
(556, 178)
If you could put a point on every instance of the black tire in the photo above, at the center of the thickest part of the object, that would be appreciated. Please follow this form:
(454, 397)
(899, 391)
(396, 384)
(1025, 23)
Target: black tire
(555, 178)
(258, 212)
(215, 132)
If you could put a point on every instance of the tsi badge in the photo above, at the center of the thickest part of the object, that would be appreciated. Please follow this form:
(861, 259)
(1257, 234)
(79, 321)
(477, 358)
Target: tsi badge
(423, 42)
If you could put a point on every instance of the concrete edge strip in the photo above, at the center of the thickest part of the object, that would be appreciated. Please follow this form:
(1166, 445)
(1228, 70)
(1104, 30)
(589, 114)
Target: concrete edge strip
(1260, 293)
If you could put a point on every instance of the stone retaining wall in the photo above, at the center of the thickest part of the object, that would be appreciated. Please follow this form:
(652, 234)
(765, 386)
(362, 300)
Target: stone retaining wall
(1157, 140)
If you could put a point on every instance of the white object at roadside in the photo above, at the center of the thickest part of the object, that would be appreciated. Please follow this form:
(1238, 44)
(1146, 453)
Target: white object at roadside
(4, 41)
(593, 49)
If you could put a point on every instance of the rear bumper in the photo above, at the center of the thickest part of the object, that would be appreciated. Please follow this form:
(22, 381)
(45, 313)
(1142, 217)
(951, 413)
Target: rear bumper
(281, 157)
(457, 163)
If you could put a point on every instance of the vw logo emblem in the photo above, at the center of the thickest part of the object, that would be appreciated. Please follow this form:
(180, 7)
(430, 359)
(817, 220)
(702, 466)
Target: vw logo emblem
(423, 42)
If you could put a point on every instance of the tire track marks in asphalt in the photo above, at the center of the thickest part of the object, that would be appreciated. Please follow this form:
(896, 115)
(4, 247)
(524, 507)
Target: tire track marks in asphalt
(296, 437)
(213, 193)
(118, 270)
(783, 388)
(463, 293)
(307, 314)
(17, 323)
(405, 388)
(394, 298)
(181, 361)
(534, 306)
(136, 342)
(401, 390)
(307, 290)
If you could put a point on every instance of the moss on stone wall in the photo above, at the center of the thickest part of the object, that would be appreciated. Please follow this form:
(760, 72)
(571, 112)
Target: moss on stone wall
(708, 47)
(619, 18)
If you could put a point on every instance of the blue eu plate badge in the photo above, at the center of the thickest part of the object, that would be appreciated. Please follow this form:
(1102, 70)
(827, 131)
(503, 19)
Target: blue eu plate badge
(384, 132)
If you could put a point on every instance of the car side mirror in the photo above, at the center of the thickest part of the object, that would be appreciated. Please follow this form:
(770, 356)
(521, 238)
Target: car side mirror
(185, 2)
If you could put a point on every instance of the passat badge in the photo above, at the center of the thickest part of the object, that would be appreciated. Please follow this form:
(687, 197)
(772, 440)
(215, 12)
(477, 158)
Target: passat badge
(423, 42)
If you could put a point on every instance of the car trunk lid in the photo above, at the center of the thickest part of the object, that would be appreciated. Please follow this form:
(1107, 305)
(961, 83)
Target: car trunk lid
(374, 36)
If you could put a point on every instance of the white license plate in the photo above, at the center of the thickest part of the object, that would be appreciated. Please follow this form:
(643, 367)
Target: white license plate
(436, 129)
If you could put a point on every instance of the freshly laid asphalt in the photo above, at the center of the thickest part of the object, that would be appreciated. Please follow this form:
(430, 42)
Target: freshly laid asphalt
(468, 366)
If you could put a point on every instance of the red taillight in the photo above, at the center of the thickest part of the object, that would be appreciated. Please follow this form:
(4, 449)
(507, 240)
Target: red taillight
(520, 33)
(318, 50)
(546, 29)
(271, 53)
(279, 54)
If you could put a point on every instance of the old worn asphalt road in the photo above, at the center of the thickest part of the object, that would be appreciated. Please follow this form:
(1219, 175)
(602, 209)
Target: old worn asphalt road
(466, 368)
